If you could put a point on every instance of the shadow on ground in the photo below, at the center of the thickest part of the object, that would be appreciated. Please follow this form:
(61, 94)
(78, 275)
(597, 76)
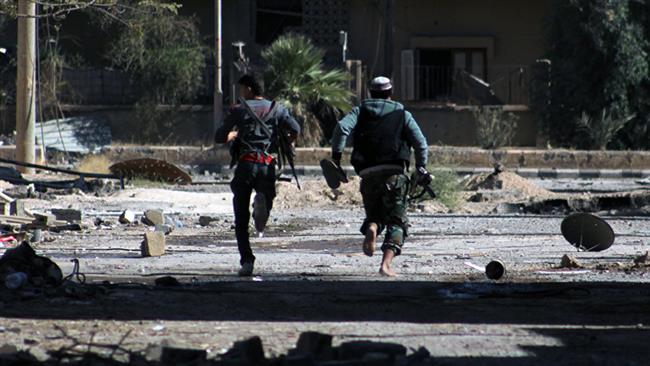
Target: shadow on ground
(323, 300)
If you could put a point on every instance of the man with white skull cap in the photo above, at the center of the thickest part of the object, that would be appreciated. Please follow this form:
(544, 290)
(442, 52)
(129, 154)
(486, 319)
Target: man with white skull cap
(383, 135)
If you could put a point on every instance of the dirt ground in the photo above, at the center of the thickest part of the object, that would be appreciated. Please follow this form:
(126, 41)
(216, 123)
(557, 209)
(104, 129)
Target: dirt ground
(311, 275)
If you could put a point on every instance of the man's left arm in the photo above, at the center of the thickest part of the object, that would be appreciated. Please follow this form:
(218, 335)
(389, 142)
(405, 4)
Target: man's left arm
(417, 141)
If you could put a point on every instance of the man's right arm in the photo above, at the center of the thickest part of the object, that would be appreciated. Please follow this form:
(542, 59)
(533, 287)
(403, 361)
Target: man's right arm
(341, 133)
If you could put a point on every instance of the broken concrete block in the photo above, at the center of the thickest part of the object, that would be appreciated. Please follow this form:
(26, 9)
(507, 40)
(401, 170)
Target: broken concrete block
(316, 344)
(153, 244)
(247, 352)
(67, 214)
(206, 220)
(5, 208)
(127, 217)
(45, 220)
(569, 262)
(154, 217)
(180, 356)
(17, 208)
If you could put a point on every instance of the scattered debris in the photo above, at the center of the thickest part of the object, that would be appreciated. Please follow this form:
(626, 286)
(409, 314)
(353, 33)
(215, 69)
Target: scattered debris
(495, 270)
(14, 177)
(587, 232)
(153, 217)
(153, 244)
(642, 260)
(206, 220)
(40, 271)
(151, 169)
(569, 262)
(507, 181)
(67, 214)
(127, 217)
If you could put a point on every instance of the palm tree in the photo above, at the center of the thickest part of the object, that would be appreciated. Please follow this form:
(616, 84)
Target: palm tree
(296, 75)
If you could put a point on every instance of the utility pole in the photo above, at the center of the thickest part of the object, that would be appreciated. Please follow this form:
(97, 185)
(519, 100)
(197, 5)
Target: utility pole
(218, 92)
(388, 45)
(25, 84)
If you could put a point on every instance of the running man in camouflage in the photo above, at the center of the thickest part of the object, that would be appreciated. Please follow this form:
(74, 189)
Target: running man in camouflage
(383, 136)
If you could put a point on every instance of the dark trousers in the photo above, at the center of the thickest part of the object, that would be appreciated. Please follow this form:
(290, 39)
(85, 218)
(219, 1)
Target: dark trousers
(248, 177)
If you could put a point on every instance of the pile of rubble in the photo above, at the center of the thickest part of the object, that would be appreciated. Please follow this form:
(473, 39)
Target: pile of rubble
(312, 349)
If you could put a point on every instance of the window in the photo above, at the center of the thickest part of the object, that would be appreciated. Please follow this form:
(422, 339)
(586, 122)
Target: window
(274, 17)
(435, 70)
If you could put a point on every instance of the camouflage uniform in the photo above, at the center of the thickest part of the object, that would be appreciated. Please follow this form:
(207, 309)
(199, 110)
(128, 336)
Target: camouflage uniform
(385, 203)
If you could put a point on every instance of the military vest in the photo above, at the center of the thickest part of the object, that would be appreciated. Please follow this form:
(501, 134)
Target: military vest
(253, 136)
(380, 140)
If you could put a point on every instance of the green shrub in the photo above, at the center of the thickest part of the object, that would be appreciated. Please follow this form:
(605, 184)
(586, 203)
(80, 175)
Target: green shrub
(447, 187)
(494, 128)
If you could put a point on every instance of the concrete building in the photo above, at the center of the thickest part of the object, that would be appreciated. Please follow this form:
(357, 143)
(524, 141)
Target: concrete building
(438, 52)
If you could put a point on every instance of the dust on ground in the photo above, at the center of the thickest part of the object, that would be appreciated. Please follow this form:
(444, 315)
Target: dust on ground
(316, 193)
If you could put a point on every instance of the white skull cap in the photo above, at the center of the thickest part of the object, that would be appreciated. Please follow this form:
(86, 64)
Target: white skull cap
(380, 83)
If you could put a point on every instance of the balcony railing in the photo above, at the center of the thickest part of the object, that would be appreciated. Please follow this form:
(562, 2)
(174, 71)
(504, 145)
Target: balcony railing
(493, 85)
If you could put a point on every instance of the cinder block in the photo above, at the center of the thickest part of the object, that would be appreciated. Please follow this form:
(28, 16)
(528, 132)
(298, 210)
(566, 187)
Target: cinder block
(153, 244)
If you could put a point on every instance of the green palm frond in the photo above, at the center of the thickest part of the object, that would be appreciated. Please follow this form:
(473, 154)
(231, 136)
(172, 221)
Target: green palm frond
(296, 75)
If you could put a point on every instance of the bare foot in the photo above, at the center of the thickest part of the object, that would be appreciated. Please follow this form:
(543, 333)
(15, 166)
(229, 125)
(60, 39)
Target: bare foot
(371, 239)
(386, 271)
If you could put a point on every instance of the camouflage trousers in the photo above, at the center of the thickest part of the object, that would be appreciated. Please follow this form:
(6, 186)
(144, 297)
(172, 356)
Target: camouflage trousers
(385, 202)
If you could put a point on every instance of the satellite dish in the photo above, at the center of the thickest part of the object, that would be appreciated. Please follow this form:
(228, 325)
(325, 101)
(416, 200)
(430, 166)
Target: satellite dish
(587, 232)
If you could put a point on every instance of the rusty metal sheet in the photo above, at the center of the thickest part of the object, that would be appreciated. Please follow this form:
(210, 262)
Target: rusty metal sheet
(587, 232)
(151, 169)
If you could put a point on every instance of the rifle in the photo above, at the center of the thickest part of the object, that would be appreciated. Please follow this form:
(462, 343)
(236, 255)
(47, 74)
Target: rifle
(421, 179)
(286, 151)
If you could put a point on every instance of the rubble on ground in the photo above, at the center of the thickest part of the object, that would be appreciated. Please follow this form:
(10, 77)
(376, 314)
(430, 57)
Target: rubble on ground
(39, 270)
(505, 181)
(312, 348)
(642, 260)
(569, 262)
(153, 217)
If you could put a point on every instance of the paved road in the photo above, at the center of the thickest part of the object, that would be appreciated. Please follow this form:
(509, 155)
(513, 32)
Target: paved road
(311, 275)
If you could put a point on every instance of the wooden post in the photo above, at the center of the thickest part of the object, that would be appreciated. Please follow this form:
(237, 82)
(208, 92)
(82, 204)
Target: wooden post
(26, 84)
(388, 45)
(218, 91)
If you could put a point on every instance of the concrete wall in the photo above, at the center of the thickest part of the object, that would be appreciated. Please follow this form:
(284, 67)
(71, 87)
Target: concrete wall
(441, 126)
(457, 127)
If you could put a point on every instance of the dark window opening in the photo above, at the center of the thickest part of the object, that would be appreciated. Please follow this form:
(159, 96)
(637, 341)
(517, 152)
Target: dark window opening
(274, 17)
(436, 69)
